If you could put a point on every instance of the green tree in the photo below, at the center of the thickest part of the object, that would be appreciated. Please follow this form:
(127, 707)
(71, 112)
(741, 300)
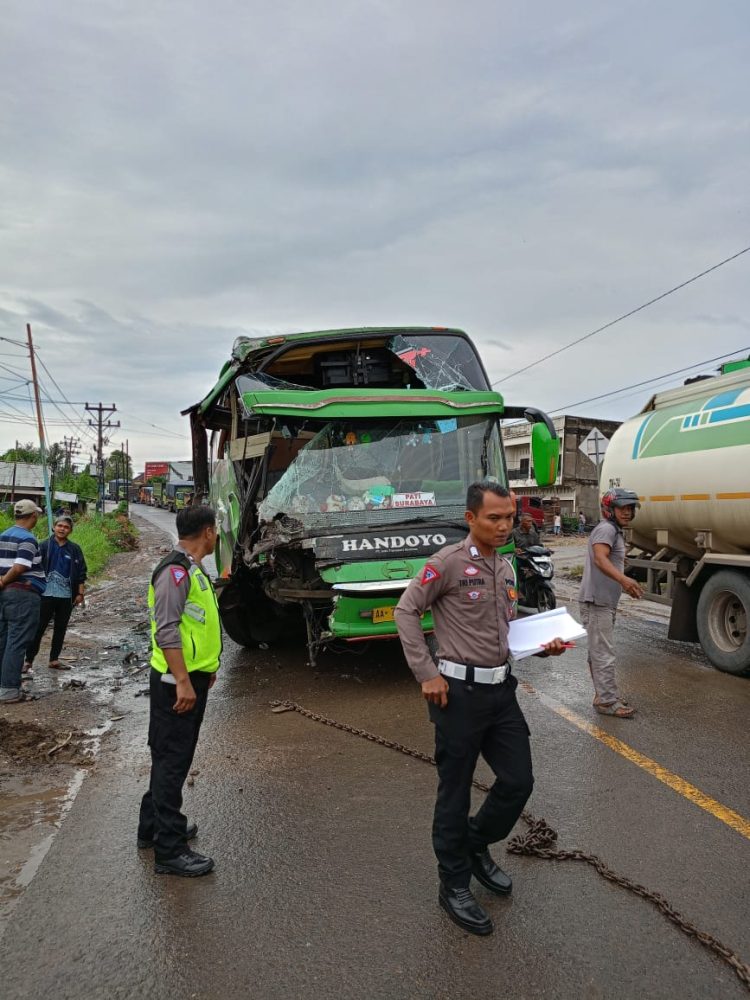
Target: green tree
(116, 464)
(23, 453)
(56, 458)
(85, 486)
(67, 483)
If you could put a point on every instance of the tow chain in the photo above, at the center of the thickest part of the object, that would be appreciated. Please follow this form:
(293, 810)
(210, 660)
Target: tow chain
(540, 842)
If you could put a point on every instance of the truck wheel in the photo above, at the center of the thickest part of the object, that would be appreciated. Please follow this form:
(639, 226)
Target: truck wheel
(723, 614)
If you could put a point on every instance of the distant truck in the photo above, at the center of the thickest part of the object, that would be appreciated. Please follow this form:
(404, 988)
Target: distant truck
(687, 455)
(177, 496)
(338, 462)
(533, 507)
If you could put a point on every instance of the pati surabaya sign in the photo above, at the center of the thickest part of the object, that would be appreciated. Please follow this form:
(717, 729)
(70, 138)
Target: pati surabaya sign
(413, 500)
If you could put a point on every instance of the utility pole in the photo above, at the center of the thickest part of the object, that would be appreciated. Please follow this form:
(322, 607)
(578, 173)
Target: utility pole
(13, 484)
(101, 424)
(126, 462)
(71, 447)
(40, 425)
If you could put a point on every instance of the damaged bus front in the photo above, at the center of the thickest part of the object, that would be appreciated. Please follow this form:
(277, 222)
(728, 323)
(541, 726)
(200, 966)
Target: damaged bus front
(339, 463)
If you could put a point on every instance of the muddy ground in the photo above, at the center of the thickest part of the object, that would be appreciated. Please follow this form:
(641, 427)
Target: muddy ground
(48, 745)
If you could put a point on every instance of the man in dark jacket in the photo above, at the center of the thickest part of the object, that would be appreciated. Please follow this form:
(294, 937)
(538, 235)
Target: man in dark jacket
(65, 568)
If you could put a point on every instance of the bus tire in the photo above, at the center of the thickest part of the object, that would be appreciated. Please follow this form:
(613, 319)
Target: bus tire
(722, 618)
(246, 627)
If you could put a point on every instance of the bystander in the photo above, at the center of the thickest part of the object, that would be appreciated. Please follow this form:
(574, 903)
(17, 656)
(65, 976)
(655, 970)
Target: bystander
(603, 583)
(22, 582)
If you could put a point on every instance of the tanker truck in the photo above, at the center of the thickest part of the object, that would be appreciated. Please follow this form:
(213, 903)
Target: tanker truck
(687, 455)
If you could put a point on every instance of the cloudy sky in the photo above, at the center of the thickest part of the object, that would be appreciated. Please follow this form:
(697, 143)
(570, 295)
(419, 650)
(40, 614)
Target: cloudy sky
(175, 173)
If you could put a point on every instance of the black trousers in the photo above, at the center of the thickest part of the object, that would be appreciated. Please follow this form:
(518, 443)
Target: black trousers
(172, 739)
(479, 719)
(58, 610)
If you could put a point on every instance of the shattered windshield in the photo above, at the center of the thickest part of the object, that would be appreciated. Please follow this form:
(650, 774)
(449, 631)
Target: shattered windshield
(262, 381)
(440, 361)
(398, 468)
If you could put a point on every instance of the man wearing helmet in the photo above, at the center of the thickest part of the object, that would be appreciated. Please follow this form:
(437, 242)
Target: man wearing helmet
(602, 585)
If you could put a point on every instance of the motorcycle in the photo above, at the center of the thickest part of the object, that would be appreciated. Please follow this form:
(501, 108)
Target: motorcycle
(535, 571)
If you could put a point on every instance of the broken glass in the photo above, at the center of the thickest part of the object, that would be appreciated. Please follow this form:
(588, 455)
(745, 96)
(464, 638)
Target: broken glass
(395, 468)
(262, 381)
(440, 361)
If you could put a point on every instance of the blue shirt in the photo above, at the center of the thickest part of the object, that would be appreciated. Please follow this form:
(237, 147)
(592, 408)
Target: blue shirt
(18, 547)
(59, 566)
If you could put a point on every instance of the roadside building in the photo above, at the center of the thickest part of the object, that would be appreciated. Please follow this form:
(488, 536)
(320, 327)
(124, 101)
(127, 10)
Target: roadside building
(24, 481)
(583, 442)
(180, 473)
(21, 481)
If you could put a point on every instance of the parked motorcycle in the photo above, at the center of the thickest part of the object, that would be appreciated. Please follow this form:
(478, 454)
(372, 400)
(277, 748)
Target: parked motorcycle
(535, 572)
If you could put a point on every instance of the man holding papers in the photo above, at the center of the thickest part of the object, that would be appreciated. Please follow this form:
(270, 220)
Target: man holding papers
(471, 591)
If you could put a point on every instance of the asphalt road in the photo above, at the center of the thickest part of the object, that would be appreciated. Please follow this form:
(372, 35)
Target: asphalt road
(325, 882)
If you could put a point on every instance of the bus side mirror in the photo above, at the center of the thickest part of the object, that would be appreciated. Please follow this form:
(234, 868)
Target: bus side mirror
(545, 451)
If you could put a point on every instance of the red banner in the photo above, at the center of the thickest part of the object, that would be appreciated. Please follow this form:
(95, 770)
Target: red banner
(156, 469)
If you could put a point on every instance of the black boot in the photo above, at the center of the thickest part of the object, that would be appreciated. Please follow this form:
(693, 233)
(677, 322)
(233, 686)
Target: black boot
(189, 863)
(487, 872)
(464, 910)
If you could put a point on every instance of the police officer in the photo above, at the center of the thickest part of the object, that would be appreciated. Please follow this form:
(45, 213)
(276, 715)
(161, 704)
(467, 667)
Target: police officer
(186, 647)
(471, 590)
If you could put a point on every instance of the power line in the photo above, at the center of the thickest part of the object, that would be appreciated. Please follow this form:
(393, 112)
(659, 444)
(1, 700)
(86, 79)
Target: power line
(619, 319)
(157, 427)
(649, 381)
(84, 429)
(79, 425)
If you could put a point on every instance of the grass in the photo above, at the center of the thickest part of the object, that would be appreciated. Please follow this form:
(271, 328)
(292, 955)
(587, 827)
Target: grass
(99, 537)
(574, 572)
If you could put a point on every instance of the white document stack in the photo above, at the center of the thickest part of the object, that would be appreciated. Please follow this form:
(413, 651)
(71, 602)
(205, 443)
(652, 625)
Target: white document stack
(526, 636)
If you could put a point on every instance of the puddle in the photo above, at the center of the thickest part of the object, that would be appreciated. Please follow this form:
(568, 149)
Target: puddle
(31, 814)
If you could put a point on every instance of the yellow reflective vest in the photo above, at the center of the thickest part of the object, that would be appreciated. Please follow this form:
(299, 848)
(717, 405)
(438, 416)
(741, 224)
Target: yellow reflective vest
(200, 626)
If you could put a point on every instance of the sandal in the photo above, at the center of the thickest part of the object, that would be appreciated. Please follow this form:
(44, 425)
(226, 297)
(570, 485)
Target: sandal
(618, 709)
(22, 696)
(57, 665)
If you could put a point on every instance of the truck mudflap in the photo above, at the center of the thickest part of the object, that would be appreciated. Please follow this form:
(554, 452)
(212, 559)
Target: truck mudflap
(683, 618)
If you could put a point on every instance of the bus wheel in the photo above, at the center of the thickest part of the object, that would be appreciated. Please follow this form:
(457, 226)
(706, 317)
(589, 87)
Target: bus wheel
(247, 620)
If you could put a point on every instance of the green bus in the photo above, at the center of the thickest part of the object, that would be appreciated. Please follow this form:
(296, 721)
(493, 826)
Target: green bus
(338, 462)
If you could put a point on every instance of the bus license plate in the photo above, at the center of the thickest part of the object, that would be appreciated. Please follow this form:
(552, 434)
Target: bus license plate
(382, 615)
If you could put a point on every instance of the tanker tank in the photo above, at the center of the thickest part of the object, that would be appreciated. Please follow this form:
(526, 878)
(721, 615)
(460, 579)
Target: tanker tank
(687, 456)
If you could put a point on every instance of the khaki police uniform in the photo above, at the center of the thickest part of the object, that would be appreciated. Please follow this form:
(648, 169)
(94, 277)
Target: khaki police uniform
(472, 599)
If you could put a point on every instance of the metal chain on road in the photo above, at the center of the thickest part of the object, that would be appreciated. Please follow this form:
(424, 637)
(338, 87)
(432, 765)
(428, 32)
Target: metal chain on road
(540, 840)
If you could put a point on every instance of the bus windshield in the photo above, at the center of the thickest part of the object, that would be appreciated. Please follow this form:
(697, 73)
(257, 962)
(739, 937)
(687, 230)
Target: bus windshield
(401, 468)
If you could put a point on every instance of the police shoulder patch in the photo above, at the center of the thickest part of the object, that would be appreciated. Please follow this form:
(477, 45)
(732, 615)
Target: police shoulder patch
(178, 574)
(429, 573)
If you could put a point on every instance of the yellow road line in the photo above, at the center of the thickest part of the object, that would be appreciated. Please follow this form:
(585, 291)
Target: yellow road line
(695, 496)
(662, 498)
(733, 496)
(673, 781)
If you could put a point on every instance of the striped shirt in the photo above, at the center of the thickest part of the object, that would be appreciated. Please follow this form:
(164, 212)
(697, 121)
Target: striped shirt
(18, 547)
